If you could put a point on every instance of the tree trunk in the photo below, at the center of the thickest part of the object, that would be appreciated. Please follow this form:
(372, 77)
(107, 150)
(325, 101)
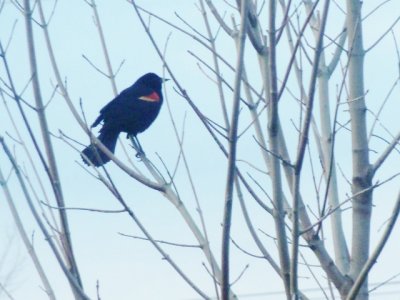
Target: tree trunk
(361, 181)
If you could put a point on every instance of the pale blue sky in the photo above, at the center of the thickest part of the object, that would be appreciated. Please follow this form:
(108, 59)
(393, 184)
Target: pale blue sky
(132, 269)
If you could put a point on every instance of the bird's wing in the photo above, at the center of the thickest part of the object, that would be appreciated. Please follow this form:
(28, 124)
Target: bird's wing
(126, 99)
(109, 108)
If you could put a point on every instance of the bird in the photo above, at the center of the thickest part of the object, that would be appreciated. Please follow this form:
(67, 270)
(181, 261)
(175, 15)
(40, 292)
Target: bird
(132, 112)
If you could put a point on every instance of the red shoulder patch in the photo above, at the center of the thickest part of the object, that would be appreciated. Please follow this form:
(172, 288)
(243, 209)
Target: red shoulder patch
(153, 97)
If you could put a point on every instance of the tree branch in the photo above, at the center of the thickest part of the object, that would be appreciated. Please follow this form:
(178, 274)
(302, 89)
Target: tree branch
(374, 256)
(233, 132)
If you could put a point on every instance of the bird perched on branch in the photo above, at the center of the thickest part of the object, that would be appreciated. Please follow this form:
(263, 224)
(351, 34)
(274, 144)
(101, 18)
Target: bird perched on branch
(132, 111)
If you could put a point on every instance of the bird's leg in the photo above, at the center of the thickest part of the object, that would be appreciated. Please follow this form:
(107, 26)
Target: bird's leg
(136, 145)
(139, 148)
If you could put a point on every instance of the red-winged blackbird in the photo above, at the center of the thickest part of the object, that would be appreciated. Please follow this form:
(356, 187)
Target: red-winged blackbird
(132, 111)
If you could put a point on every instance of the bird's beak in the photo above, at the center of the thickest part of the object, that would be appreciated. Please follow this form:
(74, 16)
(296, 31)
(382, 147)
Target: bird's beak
(165, 79)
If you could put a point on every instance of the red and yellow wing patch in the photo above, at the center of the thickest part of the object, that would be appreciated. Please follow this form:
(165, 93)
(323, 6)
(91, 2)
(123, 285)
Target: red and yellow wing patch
(153, 97)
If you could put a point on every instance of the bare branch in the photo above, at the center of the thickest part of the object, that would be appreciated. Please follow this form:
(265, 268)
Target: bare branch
(106, 211)
(240, 275)
(383, 35)
(385, 153)
(2, 287)
(219, 19)
(71, 276)
(301, 151)
(294, 52)
(29, 247)
(191, 27)
(111, 74)
(94, 66)
(375, 254)
(338, 51)
(375, 9)
(233, 138)
(160, 241)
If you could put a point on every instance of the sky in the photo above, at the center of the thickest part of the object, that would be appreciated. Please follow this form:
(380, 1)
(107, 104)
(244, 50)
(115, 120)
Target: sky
(129, 268)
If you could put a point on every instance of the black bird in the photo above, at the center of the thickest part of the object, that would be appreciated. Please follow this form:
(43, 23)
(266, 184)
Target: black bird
(132, 111)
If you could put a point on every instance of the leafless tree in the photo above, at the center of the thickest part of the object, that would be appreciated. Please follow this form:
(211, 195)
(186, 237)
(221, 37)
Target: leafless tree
(307, 154)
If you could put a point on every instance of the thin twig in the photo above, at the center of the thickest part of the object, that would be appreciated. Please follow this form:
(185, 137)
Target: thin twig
(107, 211)
(160, 241)
(110, 72)
(382, 36)
(71, 277)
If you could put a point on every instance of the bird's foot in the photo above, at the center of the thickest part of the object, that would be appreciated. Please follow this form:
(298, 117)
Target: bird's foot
(136, 145)
(140, 153)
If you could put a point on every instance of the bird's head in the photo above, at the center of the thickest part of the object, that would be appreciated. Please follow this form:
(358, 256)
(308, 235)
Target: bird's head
(151, 80)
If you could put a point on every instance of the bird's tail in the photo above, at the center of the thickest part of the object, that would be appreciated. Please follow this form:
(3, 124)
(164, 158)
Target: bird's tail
(93, 154)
